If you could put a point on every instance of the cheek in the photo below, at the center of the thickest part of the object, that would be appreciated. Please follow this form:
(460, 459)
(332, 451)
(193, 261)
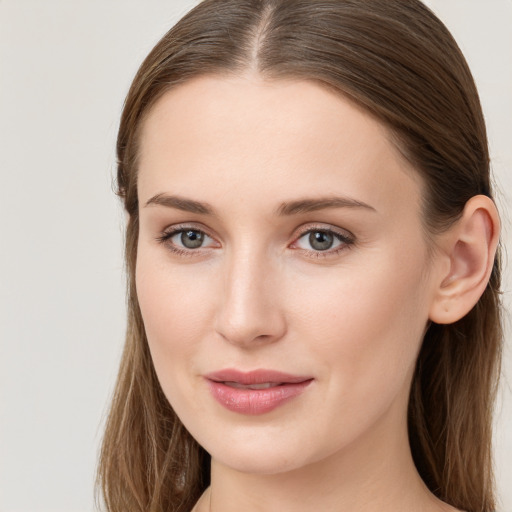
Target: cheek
(358, 325)
(365, 327)
(346, 311)
(176, 312)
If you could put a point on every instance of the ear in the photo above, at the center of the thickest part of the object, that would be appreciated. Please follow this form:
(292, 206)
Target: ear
(467, 250)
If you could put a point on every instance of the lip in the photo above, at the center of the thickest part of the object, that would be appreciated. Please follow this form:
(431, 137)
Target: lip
(284, 387)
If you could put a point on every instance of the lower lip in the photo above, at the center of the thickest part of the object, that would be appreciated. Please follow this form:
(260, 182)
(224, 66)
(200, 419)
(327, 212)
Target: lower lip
(255, 401)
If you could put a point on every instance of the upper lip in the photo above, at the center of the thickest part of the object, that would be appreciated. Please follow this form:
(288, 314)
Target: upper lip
(259, 376)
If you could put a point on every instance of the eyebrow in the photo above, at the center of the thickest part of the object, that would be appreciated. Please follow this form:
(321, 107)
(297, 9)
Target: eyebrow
(285, 209)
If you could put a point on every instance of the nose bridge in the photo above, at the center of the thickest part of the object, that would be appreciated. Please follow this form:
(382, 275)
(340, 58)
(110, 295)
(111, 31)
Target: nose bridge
(249, 312)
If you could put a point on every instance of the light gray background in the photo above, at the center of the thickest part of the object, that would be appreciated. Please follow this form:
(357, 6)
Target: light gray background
(65, 67)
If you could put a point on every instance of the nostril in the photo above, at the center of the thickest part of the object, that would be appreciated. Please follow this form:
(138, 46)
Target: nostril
(252, 331)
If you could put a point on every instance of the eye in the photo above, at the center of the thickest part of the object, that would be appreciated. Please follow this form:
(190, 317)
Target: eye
(187, 240)
(184, 240)
(191, 238)
(323, 241)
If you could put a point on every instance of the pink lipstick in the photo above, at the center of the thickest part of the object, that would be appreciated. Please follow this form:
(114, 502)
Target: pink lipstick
(255, 392)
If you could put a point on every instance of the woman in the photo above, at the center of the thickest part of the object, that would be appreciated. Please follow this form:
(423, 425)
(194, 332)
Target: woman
(314, 318)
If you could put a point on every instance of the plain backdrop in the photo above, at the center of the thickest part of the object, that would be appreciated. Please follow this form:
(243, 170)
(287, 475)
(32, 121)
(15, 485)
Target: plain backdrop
(65, 67)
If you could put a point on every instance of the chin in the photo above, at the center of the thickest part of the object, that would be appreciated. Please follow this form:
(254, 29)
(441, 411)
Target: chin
(258, 462)
(260, 451)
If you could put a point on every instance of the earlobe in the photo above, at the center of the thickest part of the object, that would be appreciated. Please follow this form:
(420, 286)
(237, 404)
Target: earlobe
(470, 245)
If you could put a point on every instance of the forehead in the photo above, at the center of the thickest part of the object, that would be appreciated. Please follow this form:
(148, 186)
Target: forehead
(255, 140)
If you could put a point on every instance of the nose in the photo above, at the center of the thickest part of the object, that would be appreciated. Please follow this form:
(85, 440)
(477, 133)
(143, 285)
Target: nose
(249, 312)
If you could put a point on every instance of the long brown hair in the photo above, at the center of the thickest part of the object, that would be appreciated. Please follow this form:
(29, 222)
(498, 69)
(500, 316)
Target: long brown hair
(398, 61)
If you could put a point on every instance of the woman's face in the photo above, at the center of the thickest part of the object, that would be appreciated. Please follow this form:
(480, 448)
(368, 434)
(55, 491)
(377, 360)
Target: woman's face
(280, 231)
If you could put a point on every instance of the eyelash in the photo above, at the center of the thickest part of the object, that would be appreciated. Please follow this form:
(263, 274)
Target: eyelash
(346, 240)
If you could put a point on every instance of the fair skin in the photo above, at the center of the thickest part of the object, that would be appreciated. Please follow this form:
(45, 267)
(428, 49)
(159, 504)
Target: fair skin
(253, 289)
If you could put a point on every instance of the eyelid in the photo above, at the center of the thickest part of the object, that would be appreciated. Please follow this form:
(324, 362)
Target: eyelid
(192, 226)
(342, 233)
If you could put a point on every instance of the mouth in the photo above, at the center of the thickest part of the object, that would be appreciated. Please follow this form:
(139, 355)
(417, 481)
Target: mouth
(255, 392)
(268, 378)
(263, 385)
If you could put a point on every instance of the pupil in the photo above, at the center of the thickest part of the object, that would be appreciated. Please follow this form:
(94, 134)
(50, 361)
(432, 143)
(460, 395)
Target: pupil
(320, 240)
(192, 239)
